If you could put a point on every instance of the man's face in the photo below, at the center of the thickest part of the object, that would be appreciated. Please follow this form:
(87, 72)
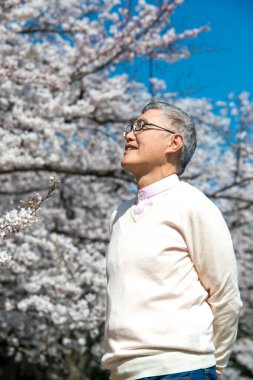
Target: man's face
(145, 150)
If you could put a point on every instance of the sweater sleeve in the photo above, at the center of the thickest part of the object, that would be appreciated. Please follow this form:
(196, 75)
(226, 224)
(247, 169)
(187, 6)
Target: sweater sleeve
(212, 253)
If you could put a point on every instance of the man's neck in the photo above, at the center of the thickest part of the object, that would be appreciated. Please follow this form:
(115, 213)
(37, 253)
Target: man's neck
(148, 179)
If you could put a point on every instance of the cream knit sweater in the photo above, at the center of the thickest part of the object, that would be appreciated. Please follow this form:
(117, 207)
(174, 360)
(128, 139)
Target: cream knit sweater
(173, 298)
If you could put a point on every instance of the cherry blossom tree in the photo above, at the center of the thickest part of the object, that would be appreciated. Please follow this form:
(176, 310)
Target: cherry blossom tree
(63, 109)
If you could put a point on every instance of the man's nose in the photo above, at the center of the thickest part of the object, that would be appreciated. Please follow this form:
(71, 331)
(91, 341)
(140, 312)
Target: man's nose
(130, 136)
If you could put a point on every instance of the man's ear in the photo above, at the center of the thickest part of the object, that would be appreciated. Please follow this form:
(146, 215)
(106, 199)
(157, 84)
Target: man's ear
(175, 143)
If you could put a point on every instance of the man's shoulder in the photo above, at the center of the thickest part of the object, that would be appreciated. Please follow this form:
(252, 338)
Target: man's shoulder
(192, 191)
(186, 189)
(193, 198)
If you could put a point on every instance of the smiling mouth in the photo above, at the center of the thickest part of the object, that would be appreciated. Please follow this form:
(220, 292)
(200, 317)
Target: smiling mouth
(130, 148)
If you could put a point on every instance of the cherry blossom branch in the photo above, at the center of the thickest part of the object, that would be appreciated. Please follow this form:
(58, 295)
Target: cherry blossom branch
(16, 220)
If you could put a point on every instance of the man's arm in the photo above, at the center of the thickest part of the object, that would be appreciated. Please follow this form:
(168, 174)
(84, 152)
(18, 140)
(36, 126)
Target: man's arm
(213, 256)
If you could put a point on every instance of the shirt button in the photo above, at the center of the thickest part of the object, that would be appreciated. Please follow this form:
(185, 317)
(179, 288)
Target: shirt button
(141, 194)
(138, 210)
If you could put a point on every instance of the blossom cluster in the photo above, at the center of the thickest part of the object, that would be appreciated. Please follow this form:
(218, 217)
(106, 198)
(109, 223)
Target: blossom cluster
(4, 258)
(16, 220)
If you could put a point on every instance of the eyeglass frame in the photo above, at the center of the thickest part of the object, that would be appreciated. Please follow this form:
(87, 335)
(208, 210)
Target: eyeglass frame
(132, 125)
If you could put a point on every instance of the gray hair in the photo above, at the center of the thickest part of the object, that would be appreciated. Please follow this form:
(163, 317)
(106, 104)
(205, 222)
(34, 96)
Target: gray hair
(184, 125)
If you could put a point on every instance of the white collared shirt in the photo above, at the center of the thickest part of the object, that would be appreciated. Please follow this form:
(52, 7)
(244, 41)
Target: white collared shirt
(149, 194)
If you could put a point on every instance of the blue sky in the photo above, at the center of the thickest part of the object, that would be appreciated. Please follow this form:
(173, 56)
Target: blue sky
(228, 68)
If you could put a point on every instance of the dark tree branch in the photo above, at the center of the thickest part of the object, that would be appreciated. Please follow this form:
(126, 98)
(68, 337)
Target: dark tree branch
(233, 184)
(106, 173)
(232, 198)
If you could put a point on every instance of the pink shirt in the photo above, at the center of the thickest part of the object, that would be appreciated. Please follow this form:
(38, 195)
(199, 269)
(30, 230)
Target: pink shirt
(148, 195)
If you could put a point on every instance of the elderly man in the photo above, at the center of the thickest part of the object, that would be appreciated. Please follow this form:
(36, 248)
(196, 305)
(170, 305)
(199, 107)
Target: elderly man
(173, 298)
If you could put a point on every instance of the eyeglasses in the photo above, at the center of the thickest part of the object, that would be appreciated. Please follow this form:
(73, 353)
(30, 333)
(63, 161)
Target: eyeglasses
(139, 126)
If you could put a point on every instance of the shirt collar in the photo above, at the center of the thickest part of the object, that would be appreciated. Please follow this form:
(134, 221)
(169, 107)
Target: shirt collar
(157, 187)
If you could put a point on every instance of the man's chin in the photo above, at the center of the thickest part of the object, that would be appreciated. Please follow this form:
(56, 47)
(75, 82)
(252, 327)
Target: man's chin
(124, 164)
(128, 166)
